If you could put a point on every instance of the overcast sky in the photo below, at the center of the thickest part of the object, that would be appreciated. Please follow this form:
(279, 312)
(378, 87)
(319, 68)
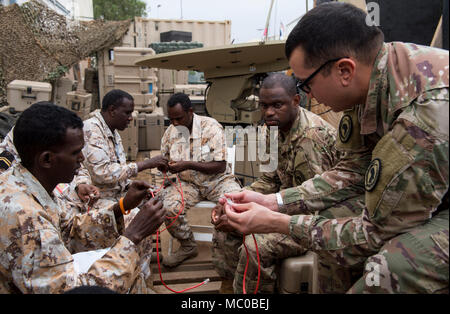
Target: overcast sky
(248, 17)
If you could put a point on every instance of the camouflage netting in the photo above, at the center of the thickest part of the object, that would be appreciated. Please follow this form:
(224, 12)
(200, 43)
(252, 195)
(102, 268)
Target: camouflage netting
(37, 44)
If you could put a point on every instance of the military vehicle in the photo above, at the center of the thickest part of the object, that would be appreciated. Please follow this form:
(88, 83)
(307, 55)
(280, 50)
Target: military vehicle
(233, 73)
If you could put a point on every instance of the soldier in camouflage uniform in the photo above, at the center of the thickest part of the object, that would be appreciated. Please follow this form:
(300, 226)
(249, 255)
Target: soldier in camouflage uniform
(396, 100)
(80, 197)
(38, 236)
(306, 148)
(74, 201)
(105, 164)
(195, 146)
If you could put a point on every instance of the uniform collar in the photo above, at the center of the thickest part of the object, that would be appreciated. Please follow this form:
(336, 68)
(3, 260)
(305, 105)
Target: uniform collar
(377, 88)
(33, 186)
(295, 131)
(105, 127)
(196, 127)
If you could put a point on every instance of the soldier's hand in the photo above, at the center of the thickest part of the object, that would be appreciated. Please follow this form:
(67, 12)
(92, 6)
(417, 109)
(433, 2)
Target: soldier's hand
(137, 191)
(246, 196)
(146, 222)
(219, 219)
(253, 218)
(87, 192)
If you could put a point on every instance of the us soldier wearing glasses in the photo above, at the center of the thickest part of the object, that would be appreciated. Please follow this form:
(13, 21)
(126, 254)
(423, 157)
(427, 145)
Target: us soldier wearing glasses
(395, 97)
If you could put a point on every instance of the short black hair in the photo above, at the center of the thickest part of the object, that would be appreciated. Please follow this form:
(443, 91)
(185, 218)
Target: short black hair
(114, 98)
(180, 98)
(90, 290)
(42, 126)
(334, 30)
(288, 83)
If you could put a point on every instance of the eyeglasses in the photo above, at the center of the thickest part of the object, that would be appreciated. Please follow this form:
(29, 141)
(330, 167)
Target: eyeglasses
(303, 85)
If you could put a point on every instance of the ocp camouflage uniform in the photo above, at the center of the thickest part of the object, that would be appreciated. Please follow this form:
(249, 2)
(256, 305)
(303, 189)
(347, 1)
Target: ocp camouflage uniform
(206, 143)
(106, 167)
(36, 249)
(306, 151)
(402, 236)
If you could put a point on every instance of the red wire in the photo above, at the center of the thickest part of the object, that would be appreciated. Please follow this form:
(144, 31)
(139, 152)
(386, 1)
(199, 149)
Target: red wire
(246, 265)
(207, 280)
(160, 274)
(157, 237)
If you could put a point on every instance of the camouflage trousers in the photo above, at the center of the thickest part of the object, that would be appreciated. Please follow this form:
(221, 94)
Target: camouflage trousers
(414, 262)
(230, 257)
(179, 228)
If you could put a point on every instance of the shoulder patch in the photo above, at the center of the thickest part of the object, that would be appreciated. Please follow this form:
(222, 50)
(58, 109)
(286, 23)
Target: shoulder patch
(373, 174)
(345, 128)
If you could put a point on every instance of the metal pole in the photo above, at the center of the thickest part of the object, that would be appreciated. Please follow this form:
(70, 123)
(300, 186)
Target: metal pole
(266, 29)
(181, 8)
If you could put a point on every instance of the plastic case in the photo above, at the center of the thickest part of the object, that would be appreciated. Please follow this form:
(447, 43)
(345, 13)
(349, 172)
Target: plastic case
(22, 94)
(130, 138)
(80, 103)
(151, 129)
(299, 275)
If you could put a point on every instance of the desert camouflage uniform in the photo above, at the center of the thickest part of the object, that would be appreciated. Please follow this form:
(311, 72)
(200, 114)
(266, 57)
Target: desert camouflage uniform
(67, 197)
(206, 143)
(105, 167)
(38, 238)
(105, 159)
(402, 236)
(8, 152)
(63, 191)
(308, 150)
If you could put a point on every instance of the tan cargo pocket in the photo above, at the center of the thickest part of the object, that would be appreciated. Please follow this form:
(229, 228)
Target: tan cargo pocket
(388, 162)
(53, 251)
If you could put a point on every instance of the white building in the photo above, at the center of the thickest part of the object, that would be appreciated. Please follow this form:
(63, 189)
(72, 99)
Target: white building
(73, 9)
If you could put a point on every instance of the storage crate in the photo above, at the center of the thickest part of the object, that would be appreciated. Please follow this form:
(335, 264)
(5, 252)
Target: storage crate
(22, 94)
(130, 138)
(136, 85)
(80, 103)
(151, 129)
(176, 36)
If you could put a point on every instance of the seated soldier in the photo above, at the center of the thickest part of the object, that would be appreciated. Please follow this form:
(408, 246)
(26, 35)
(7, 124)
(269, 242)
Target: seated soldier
(74, 202)
(395, 98)
(306, 148)
(35, 258)
(199, 157)
(105, 164)
(105, 161)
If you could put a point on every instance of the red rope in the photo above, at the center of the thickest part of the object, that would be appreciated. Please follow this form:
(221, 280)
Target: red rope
(246, 265)
(174, 219)
(157, 236)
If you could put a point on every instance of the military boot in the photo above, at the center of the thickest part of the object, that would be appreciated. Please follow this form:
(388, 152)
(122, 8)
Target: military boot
(187, 250)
